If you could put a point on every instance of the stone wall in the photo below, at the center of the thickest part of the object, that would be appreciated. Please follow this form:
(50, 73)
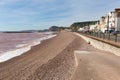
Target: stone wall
(101, 45)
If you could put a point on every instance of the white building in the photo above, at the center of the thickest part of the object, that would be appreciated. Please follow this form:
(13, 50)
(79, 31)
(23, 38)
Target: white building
(112, 21)
(81, 29)
(109, 21)
(92, 27)
(102, 24)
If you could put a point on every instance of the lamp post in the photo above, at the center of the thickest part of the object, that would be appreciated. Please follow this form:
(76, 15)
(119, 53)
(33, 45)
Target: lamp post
(108, 22)
(108, 28)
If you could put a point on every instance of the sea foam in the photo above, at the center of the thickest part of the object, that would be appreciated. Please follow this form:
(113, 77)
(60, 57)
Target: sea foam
(22, 48)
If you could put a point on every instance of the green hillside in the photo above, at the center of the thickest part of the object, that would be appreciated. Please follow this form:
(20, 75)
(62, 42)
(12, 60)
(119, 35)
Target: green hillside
(75, 26)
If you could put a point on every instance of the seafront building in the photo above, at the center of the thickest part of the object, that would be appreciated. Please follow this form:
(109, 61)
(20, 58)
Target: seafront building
(109, 22)
(92, 27)
(117, 19)
(102, 24)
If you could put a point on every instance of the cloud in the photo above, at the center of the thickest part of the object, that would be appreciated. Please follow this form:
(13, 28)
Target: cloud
(41, 14)
(4, 2)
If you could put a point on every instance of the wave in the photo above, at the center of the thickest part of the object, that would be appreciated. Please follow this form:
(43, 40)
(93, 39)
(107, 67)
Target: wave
(22, 48)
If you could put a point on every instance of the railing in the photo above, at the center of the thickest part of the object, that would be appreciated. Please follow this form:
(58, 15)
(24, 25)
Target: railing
(107, 36)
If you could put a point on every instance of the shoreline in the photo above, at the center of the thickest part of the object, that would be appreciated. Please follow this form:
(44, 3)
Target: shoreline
(20, 51)
(24, 66)
(61, 58)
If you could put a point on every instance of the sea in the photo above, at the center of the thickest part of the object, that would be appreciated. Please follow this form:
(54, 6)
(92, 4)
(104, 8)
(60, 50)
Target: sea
(15, 44)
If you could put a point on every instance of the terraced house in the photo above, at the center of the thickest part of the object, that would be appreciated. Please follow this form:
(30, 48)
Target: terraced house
(117, 19)
(110, 22)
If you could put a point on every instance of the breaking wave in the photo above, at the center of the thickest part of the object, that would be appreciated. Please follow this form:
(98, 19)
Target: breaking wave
(22, 48)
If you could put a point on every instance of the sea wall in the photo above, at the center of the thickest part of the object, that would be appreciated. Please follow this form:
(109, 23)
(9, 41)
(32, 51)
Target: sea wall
(101, 45)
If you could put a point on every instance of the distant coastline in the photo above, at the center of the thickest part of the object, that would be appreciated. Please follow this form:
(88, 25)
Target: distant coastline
(22, 31)
(25, 31)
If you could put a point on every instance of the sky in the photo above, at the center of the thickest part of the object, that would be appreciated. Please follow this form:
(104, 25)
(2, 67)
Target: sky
(18, 15)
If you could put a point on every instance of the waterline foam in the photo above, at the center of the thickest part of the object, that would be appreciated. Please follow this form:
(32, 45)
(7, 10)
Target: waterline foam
(22, 49)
